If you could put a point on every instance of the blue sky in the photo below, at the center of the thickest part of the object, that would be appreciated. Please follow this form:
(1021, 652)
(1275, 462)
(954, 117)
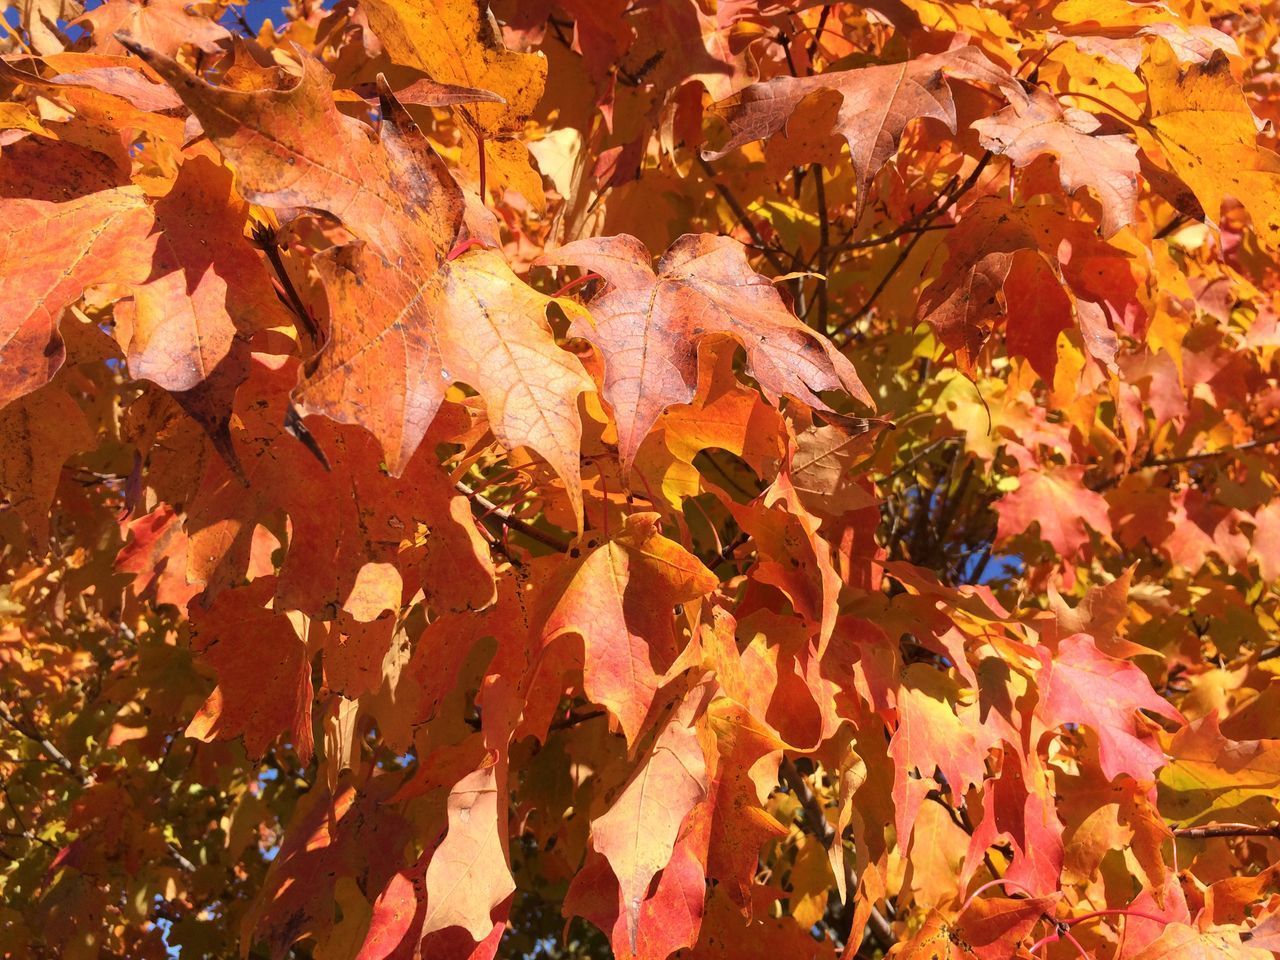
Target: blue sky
(255, 11)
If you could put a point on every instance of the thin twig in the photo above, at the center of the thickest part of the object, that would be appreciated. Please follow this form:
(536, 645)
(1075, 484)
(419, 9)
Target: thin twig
(17, 37)
(1150, 463)
(52, 752)
(179, 859)
(573, 719)
(881, 931)
(726, 553)
(824, 238)
(960, 191)
(817, 36)
(818, 825)
(1209, 454)
(509, 520)
(889, 237)
(82, 776)
(1118, 114)
(1212, 830)
(741, 215)
(862, 311)
(815, 819)
(919, 455)
(1169, 227)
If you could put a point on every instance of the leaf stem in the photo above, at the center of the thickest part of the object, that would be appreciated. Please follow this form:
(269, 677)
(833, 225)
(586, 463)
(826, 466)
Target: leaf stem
(267, 242)
(997, 882)
(1118, 912)
(1118, 114)
(574, 283)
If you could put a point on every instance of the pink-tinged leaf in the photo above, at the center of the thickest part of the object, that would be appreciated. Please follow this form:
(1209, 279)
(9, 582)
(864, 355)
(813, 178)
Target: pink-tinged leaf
(637, 834)
(1081, 684)
(648, 326)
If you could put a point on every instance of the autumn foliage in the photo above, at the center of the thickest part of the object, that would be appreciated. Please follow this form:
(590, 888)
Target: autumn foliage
(640, 478)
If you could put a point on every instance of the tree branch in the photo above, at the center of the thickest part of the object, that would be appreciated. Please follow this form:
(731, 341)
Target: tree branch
(43, 742)
(815, 819)
(1212, 830)
(741, 215)
(74, 770)
(1209, 454)
(1149, 463)
(964, 188)
(817, 36)
(509, 520)
(819, 826)
(824, 238)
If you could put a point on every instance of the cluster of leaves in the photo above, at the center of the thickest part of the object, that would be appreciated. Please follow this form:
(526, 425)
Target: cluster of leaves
(398, 562)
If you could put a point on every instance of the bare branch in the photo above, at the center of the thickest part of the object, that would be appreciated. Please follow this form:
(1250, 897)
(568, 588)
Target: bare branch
(741, 215)
(1212, 830)
(509, 520)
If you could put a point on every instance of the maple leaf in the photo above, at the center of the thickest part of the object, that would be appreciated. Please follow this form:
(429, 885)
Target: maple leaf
(163, 25)
(40, 21)
(327, 426)
(1210, 775)
(156, 554)
(1057, 500)
(779, 524)
(1039, 126)
(876, 105)
(1083, 685)
(1180, 940)
(997, 254)
(38, 433)
(367, 515)
(637, 834)
(619, 597)
(238, 635)
(207, 286)
(401, 307)
(669, 918)
(745, 766)
(823, 463)
(50, 253)
(461, 44)
(1100, 613)
(993, 927)
(1018, 806)
(725, 415)
(934, 731)
(129, 81)
(331, 836)
(292, 148)
(937, 939)
(189, 325)
(399, 339)
(1208, 135)
(648, 327)
(468, 874)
